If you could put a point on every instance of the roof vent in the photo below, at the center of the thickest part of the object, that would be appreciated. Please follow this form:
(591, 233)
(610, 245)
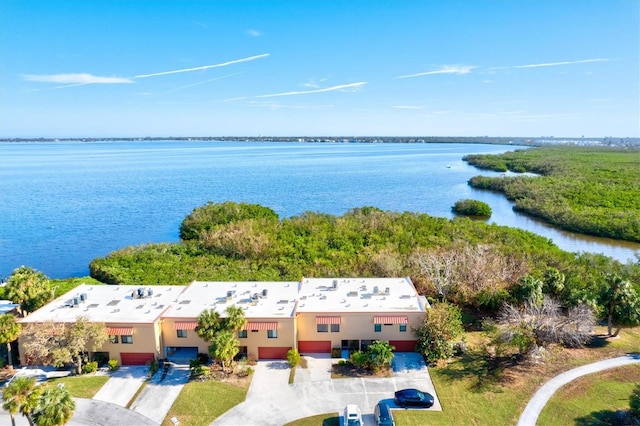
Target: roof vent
(352, 294)
(264, 292)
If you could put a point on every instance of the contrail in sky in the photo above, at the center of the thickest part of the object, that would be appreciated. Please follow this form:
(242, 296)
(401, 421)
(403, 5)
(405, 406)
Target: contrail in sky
(205, 67)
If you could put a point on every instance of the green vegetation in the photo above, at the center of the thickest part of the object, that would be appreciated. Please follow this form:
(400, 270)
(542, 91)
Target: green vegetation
(377, 358)
(80, 386)
(593, 191)
(592, 399)
(634, 401)
(200, 403)
(465, 262)
(472, 208)
(442, 325)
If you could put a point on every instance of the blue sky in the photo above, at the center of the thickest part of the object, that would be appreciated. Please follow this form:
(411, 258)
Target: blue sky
(319, 68)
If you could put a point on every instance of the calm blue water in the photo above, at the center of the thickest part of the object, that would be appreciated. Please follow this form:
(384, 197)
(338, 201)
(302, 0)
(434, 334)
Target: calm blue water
(64, 204)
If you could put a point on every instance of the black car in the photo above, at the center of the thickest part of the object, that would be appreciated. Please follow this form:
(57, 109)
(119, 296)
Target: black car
(413, 398)
(382, 415)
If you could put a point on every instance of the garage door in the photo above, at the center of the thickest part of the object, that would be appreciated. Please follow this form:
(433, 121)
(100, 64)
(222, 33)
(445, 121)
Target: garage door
(314, 346)
(404, 345)
(272, 353)
(131, 358)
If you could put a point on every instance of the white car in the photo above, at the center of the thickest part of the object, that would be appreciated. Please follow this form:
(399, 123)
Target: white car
(352, 415)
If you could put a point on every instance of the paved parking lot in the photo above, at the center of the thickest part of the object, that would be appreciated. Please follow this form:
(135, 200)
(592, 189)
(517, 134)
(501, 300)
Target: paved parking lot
(272, 401)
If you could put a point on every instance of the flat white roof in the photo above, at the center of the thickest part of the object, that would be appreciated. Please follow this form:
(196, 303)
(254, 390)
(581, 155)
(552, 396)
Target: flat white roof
(109, 304)
(257, 299)
(359, 295)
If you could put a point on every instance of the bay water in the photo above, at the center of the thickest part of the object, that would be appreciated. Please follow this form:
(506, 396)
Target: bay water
(63, 204)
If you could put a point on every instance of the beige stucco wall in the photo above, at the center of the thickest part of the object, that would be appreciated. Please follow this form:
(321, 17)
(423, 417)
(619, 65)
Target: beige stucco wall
(170, 336)
(356, 326)
(256, 339)
(146, 339)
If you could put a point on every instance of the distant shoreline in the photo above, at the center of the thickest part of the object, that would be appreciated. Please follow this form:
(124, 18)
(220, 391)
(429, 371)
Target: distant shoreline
(528, 141)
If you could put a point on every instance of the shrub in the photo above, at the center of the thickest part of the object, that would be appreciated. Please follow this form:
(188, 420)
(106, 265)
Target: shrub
(293, 356)
(90, 367)
(113, 364)
(472, 208)
(634, 402)
(153, 367)
(359, 359)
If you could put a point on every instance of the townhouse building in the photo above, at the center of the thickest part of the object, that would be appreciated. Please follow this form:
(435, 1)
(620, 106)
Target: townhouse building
(312, 315)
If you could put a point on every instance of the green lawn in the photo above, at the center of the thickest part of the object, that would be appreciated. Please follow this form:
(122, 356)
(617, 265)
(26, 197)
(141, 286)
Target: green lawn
(81, 386)
(592, 399)
(200, 403)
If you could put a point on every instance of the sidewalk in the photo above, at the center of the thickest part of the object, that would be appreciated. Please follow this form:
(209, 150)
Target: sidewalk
(531, 412)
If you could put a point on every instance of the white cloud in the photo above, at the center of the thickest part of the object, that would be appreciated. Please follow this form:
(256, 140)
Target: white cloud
(448, 69)
(253, 33)
(75, 79)
(204, 67)
(353, 86)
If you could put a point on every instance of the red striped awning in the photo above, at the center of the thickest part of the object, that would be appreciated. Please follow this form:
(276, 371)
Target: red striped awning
(391, 320)
(328, 320)
(185, 325)
(260, 326)
(120, 331)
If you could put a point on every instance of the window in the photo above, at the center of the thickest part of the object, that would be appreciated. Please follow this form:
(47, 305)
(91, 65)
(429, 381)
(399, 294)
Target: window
(126, 339)
(272, 334)
(182, 333)
(113, 339)
(335, 328)
(403, 328)
(242, 334)
(377, 328)
(322, 328)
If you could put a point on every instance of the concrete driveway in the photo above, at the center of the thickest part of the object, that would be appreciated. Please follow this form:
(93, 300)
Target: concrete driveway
(158, 396)
(272, 401)
(123, 385)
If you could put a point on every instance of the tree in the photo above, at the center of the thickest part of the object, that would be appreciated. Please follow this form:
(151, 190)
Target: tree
(224, 347)
(439, 266)
(52, 343)
(442, 324)
(28, 287)
(533, 325)
(55, 407)
(208, 324)
(220, 332)
(9, 332)
(620, 303)
(21, 395)
(84, 336)
(235, 319)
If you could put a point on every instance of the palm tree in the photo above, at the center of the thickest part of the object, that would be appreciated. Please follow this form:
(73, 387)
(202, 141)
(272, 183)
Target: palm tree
(55, 407)
(224, 347)
(21, 395)
(208, 324)
(235, 319)
(9, 331)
